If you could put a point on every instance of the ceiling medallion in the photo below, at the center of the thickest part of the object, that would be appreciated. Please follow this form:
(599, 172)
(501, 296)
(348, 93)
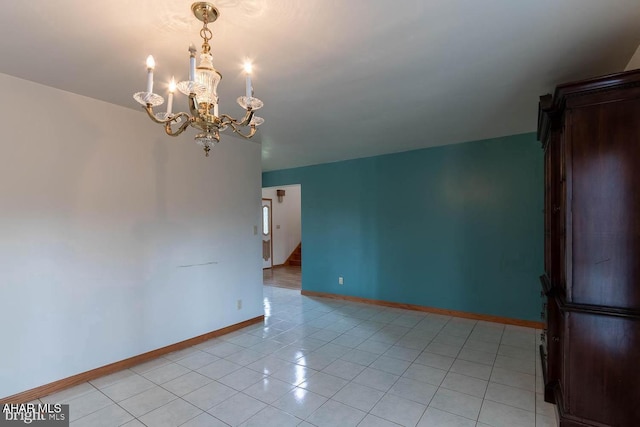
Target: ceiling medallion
(201, 88)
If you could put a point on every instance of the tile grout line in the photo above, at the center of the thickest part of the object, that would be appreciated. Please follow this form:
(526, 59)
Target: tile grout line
(491, 374)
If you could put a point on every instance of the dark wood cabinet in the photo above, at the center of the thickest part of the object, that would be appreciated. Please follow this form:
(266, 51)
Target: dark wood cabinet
(590, 132)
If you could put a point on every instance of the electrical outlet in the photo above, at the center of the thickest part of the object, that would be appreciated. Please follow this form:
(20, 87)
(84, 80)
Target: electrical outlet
(340, 280)
(239, 304)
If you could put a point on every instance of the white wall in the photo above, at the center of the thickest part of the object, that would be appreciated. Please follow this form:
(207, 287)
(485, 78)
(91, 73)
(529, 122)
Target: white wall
(100, 212)
(287, 216)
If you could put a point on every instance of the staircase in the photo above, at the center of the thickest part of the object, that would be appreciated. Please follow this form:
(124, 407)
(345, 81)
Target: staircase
(296, 256)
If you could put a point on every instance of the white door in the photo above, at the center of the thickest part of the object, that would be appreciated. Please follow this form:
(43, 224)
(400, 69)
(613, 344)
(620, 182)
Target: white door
(267, 244)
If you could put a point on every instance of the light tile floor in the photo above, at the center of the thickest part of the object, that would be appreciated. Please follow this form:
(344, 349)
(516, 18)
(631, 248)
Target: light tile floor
(321, 362)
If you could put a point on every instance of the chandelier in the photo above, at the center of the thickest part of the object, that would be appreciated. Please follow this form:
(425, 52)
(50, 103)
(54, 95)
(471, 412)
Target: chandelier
(201, 88)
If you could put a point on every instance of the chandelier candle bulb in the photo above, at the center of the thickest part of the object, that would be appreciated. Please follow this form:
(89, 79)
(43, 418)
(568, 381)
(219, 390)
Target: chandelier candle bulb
(247, 69)
(249, 88)
(150, 66)
(192, 62)
(215, 110)
(172, 88)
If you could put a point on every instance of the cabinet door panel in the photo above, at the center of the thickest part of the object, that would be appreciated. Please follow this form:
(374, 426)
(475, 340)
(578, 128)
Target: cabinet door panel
(601, 368)
(605, 192)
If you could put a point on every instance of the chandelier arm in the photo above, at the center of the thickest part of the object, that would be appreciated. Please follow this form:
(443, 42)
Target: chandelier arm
(249, 135)
(225, 119)
(228, 120)
(247, 118)
(152, 116)
(182, 128)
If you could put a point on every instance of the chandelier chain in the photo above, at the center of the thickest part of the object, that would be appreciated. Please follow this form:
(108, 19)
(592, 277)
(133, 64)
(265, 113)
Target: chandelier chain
(206, 33)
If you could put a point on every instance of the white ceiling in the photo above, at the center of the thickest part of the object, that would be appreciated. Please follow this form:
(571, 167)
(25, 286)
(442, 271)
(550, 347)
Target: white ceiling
(340, 79)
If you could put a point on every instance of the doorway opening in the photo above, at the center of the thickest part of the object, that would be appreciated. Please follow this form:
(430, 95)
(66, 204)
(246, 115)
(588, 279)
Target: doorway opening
(281, 232)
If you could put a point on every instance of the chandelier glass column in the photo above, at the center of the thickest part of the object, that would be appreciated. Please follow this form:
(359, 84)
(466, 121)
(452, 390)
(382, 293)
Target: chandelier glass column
(201, 88)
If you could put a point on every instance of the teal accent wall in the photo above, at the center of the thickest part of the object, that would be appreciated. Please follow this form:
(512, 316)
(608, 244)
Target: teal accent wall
(457, 227)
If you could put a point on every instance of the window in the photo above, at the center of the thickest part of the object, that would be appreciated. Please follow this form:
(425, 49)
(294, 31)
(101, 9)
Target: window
(265, 220)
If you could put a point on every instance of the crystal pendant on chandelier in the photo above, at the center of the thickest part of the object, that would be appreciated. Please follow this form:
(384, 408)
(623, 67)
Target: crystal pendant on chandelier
(202, 90)
(206, 141)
